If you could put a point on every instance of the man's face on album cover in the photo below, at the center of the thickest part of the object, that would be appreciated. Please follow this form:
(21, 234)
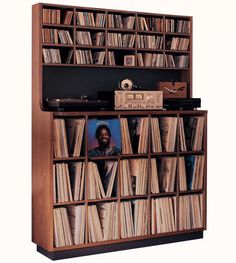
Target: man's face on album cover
(104, 138)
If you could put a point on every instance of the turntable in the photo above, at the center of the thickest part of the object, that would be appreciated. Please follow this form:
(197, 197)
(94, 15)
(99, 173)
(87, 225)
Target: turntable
(75, 104)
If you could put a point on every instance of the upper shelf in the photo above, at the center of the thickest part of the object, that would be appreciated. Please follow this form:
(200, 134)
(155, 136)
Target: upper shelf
(93, 9)
(114, 20)
(95, 37)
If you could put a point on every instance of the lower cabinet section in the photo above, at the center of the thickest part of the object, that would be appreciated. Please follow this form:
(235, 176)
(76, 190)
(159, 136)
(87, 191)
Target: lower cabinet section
(116, 181)
(110, 221)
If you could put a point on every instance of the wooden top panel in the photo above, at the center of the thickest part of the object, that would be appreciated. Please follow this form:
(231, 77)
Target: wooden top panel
(127, 113)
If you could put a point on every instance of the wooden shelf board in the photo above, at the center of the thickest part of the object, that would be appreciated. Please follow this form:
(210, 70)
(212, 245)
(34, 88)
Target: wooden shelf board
(150, 50)
(109, 29)
(135, 155)
(127, 197)
(128, 113)
(163, 194)
(197, 191)
(108, 66)
(69, 203)
(177, 51)
(57, 25)
(121, 48)
(95, 28)
(57, 45)
(164, 154)
(147, 32)
(102, 200)
(63, 159)
(191, 152)
(103, 158)
(177, 34)
(89, 47)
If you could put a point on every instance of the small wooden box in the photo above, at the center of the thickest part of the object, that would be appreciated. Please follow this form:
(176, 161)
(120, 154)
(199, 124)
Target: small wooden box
(173, 89)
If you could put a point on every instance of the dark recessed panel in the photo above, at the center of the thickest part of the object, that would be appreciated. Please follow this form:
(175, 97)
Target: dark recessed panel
(72, 82)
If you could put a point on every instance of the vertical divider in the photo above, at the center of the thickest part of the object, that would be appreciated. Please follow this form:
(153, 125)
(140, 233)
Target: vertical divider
(177, 174)
(164, 39)
(149, 177)
(118, 190)
(86, 179)
(136, 40)
(74, 31)
(106, 38)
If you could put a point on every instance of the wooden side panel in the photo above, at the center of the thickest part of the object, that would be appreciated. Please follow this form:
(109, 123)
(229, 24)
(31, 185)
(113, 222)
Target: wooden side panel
(205, 175)
(42, 206)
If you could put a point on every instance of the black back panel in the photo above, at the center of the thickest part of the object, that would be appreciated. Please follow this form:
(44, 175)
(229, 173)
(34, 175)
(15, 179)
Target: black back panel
(72, 82)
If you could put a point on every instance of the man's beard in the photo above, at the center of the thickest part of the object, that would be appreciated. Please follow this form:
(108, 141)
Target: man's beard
(104, 144)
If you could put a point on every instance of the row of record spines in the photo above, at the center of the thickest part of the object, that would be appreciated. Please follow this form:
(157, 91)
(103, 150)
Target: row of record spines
(186, 212)
(118, 21)
(90, 57)
(163, 129)
(167, 177)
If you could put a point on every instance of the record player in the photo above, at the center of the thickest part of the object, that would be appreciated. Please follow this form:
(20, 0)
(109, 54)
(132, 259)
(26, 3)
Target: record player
(75, 104)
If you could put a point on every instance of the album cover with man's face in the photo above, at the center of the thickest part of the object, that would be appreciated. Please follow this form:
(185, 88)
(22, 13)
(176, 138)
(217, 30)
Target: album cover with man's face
(104, 137)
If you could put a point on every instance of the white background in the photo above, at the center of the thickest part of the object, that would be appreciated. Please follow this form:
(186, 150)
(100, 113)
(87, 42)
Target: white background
(214, 80)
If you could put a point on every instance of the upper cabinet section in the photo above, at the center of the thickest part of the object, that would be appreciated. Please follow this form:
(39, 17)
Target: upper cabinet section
(89, 37)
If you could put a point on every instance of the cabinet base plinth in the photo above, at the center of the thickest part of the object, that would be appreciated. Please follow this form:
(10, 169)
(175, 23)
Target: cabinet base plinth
(78, 252)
